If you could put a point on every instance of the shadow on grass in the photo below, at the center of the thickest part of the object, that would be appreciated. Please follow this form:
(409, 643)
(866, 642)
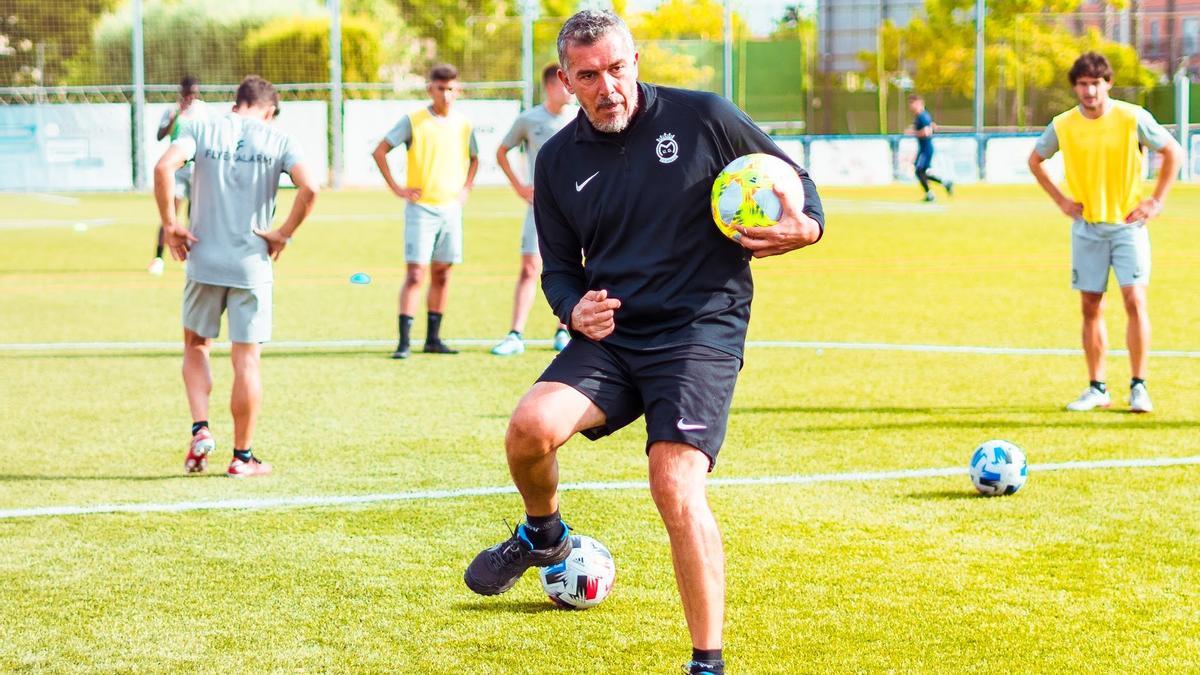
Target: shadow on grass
(888, 410)
(524, 607)
(19, 478)
(945, 495)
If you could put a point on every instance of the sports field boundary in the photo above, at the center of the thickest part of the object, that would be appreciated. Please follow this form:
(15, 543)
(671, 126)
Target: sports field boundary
(428, 495)
(177, 346)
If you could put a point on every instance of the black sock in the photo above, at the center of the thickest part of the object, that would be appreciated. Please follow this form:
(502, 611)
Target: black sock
(243, 455)
(406, 323)
(515, 333)
(197, 426)
(435, 327)
(711, 658)
(1136, 381)
(544, 531)
(1099, 386)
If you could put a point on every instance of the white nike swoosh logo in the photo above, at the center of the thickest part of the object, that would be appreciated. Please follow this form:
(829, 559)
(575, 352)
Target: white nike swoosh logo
(579, 186)
(685, 426)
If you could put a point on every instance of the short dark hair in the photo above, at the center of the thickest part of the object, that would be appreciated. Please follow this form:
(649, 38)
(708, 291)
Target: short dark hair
(443, 72)
(550, 72)
(188, 83)
(255, 91)
(1090, 64)
(915, 97)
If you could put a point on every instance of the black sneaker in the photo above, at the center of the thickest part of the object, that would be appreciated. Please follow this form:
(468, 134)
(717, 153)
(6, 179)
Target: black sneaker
(402, 351)
(439, 347)
(697, 668)
(497, 569)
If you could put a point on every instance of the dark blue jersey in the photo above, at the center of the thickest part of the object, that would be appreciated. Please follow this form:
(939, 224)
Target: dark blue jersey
(924, 143)
(630, 213)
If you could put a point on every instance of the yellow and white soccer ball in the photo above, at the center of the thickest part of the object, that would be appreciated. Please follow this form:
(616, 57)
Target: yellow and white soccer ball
(743, 193)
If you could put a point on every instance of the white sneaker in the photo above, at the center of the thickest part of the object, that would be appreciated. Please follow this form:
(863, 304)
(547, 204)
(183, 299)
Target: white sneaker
(1139, 399)
(510, 345)
(1090, 399)
(156, 267)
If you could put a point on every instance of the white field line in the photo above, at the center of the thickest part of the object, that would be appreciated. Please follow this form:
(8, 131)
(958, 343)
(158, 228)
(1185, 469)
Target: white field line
(487, 342)
(334, 500)
(40, 223)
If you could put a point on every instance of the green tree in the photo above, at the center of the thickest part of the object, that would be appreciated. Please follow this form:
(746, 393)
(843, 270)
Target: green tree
(681, 43)
(297, 50)
(38, 39)
(1027, 51)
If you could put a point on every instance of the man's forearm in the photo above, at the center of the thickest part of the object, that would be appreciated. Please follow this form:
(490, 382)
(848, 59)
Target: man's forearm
(1043, 179)
(563, 292)
(301, 208)
(502, 161)
(471, 170)
(164, 188)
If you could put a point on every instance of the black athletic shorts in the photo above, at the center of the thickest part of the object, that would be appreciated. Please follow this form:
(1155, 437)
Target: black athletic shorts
(684, 391)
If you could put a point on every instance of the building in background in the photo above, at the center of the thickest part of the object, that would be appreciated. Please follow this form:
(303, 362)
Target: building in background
(846, 28)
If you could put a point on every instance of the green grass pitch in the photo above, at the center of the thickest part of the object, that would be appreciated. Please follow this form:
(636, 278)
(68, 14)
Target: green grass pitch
(1089, 570)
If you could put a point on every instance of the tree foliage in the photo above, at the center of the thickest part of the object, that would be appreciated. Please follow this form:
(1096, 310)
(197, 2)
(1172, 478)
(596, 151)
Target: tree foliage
(61, 30)
(1025, 49)
(221, 41)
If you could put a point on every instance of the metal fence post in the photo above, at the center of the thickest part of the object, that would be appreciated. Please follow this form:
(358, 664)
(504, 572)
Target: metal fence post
(728, 49)
(528, 8)
(1182, 90)
(139, 96)
(980, 13)
(335, 90)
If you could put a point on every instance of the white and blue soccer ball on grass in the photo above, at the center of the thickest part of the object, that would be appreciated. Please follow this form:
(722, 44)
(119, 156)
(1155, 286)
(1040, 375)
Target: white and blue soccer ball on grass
(584, 579)
(998, 468)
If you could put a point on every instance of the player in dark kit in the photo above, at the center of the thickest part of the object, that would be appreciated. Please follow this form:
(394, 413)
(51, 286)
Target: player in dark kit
(658, 315)
(923, 128)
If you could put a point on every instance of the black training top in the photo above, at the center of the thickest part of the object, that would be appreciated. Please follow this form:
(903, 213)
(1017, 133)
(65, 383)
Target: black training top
(630, 213)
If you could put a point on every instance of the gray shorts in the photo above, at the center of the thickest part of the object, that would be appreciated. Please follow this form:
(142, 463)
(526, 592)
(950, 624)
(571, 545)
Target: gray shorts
(249, 311)
(1097, 247)
(183, 181)
(433, 234)
(529, 241)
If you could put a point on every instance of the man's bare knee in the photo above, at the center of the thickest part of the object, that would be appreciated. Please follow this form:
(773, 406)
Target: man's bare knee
(532, 432)
(677, 484)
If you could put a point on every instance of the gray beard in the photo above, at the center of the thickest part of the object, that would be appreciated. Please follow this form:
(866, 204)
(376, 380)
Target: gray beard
(614, 126)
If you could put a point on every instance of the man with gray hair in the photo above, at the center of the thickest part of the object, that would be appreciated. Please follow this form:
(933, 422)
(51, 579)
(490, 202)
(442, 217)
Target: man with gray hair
(658, 315)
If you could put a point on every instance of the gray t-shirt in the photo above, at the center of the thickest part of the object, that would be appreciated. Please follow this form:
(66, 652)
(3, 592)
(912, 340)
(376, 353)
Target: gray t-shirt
(238, 164)
(534, 127)
(1150, 134)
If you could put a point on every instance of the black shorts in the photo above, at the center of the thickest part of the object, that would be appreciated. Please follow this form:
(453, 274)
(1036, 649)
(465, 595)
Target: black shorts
(684, 391)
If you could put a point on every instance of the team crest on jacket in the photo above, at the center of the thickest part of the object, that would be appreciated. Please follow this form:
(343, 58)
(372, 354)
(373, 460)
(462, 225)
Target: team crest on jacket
(667, 149)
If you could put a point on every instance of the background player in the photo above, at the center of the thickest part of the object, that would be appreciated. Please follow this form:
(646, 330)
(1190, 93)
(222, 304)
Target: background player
(189, 107)
(1101, 140)
(923, 128)
(229, 247)
(659, 313)
(532, 128)
(442, 160)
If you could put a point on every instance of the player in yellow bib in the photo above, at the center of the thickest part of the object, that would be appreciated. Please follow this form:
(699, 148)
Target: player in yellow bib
(1101, 141)
(442, 160)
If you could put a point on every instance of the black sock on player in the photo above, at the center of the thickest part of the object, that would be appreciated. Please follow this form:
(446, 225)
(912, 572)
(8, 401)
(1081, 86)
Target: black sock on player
(197, 426)
(1099, 386)
(243, 455)
(707, 661)
(544, 531)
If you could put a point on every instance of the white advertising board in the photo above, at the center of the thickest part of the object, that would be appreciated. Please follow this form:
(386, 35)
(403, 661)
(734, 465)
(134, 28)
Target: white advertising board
(850, 162)
(1006, 159)
(953, 158)
(75, 146)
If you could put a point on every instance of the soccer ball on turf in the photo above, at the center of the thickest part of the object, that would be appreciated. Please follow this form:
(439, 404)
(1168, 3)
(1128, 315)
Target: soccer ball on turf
(584, 579)
(998, 468)
(743, 192)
